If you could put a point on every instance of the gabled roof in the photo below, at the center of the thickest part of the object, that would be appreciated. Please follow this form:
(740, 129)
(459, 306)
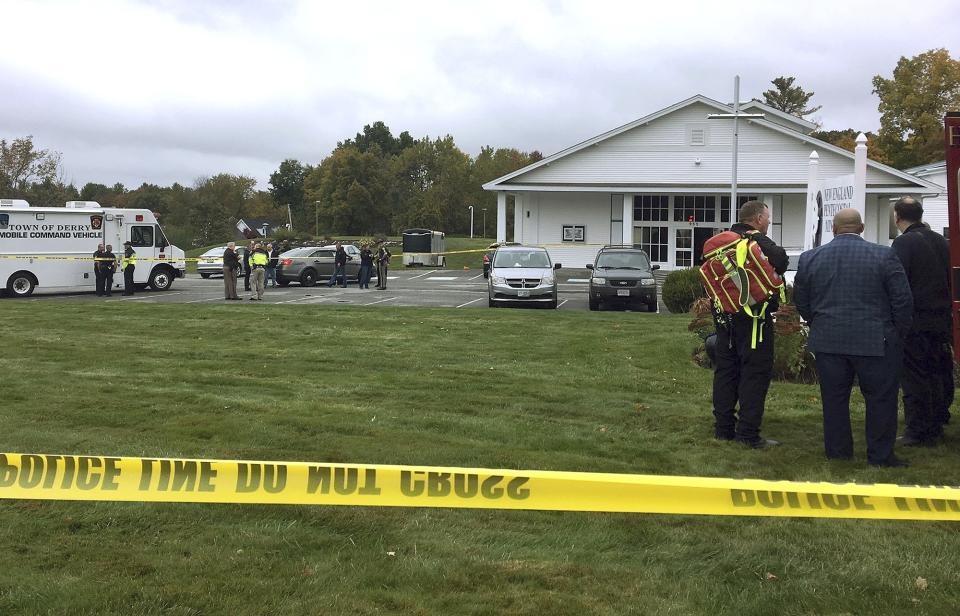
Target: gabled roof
(498, 184)
(928, 169)
(805, 126)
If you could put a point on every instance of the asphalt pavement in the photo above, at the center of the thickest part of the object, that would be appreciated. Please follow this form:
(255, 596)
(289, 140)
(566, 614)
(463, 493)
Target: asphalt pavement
(421, 287)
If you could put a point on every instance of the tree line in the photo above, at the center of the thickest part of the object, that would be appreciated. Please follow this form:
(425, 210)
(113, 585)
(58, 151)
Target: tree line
(376, 183)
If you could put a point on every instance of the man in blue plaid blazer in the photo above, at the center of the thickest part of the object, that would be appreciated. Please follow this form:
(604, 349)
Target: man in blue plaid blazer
(857, 300)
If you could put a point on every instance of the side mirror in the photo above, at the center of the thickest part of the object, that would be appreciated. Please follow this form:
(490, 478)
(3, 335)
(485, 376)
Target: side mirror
(589, 266)
(654, 267)
(556, 266)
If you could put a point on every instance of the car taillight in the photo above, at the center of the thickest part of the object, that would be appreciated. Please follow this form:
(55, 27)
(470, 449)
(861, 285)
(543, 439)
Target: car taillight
(286, 262)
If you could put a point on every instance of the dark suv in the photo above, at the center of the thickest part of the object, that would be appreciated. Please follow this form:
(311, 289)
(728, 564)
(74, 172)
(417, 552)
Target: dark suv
(623, 275)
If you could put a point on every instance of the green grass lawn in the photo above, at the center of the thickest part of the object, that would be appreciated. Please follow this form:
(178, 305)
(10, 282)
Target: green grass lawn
(524, 389)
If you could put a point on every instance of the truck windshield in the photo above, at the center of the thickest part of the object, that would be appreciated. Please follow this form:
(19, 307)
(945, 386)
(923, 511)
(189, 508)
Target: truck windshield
(631, 260)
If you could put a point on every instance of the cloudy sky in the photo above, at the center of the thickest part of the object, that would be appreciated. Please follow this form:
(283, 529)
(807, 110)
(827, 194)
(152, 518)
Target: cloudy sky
(166, 91)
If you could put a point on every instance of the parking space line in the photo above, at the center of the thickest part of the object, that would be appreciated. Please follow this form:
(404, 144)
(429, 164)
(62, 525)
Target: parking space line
(420, 275)
(379, 301)
(209, 299)
(444, 278)
(560, 305)
(470, 302)
(578, 280)
(475, 277)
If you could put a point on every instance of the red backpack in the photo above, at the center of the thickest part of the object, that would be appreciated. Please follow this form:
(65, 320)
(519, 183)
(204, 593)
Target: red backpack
(737, 275)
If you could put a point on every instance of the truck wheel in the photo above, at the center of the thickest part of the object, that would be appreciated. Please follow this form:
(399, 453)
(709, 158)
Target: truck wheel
(161, 279)
(491, 303)
(21, 284)
(594, 304)
(308, 278)
(283, 283)
(204, 275)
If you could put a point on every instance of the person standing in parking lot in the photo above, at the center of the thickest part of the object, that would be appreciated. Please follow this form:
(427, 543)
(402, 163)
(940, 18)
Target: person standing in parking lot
(109, 267)
(274, 252)
(366, 267)
(259, 260)
(128, 264)
(383, 262)
(245, 263)
(339, 266)
(230, 264)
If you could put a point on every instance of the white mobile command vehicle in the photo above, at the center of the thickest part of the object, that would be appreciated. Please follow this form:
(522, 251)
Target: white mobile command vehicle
(28, 234)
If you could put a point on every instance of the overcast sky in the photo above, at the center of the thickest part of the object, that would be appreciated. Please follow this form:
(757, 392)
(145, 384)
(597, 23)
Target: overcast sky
(166, 91)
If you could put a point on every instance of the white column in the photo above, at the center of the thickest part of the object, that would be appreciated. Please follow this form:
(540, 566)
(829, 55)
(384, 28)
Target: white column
(627, 219)
(518, 214)
(860, 175)
(810, 218)
(501, 216)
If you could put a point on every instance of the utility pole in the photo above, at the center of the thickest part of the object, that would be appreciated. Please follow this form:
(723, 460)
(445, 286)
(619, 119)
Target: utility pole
(484, 222)
(470, 207)
(316, 217)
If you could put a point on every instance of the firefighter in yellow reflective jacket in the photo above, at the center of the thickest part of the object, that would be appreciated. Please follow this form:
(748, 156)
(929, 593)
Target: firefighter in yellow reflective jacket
(127, 264)
(258, 261)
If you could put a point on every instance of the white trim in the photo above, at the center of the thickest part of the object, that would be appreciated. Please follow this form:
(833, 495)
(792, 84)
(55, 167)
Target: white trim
(715, 189)
(780, 114)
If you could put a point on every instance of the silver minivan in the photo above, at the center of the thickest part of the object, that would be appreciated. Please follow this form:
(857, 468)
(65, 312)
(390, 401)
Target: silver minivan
(522, 274)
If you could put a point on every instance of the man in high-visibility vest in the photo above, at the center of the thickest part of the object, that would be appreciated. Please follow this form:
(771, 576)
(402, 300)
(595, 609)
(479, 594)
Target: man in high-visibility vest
(128, 263)
(257, 262)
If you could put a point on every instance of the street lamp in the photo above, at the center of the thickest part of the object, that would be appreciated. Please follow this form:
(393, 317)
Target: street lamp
(484, 222)
(736, 115)
(470, 207)
(316, 219)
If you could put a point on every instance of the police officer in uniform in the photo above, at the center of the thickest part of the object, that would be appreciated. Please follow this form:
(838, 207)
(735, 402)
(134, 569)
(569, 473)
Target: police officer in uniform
(128, 263)
(926, 376)
(741, 373)
(109, 267)
(98, 269)
(258, 262)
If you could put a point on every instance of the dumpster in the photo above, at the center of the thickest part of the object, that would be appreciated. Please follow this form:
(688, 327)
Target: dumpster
(423, 247)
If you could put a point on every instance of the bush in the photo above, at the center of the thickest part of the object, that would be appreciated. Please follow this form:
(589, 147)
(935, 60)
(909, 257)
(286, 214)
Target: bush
(681, 289)
(791, 360)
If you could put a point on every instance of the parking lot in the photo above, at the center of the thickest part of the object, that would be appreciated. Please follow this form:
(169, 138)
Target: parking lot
(405, 287)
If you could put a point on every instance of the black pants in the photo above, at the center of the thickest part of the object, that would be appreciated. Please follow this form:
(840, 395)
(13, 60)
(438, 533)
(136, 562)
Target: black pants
(246, 279)
(128, 279)
(741, 374)
(878, 378)
(927, 382)
(100, 280)
(107, 282)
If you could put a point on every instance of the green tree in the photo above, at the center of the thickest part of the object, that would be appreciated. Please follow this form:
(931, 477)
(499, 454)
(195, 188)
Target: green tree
(351, 187)
(847, 139)
(789, 98)
(220, 201)
(286, 187)
(913, 103)
(21, 164)
(378, 134)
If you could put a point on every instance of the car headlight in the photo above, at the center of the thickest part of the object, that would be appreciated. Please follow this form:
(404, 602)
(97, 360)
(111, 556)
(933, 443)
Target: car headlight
(599, 280)
(497, 280)
(648, 282)
(546, 281)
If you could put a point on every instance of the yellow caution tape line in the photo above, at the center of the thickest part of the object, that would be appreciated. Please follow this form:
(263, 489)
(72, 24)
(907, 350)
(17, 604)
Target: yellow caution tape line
(65, 258)
(115, 478)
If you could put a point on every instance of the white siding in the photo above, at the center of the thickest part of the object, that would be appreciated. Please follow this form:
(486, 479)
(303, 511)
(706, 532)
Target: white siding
(794, 218)
(658, 153)
(935, 211)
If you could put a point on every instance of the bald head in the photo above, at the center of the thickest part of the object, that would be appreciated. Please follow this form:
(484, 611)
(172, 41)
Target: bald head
(847, 221)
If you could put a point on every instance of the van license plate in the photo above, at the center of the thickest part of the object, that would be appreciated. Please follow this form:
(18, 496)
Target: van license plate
(523, 293)
(623, 292)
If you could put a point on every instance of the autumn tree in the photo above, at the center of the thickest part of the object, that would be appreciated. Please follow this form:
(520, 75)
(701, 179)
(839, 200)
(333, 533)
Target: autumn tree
(913, 103)
(789, 98)
(286, 187)
(22, 164)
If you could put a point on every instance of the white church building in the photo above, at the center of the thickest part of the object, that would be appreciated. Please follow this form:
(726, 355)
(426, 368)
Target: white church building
(663, 182)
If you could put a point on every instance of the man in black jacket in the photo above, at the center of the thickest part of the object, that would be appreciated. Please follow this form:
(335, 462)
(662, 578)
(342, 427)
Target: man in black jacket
(340, 266)
(927, 373)
(107, 269)
(231, 262)
(98, 269)
(742, 373)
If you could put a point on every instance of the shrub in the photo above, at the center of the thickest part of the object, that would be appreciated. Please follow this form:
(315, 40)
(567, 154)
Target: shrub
(791, 360)
(681, 289)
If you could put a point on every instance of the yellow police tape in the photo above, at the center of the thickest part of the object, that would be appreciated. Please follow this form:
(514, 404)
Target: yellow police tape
(107, 478)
